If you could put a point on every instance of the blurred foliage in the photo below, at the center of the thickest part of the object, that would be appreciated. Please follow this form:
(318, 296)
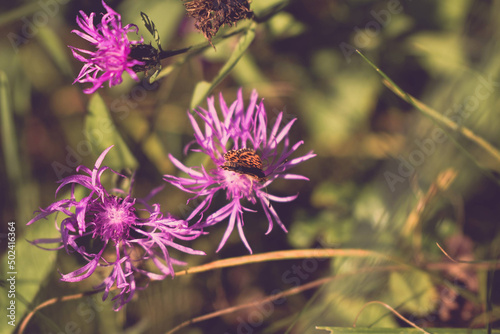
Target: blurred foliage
(374, 184)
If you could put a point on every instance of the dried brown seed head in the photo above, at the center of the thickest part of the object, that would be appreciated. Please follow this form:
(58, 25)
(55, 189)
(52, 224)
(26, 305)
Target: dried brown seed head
(210, 15)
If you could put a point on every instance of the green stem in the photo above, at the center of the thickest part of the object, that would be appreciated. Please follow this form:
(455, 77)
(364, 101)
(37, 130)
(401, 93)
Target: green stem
(436, 116)
(197, 48)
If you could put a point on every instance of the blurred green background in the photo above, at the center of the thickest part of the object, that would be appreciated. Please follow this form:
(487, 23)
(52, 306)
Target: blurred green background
(385, 178)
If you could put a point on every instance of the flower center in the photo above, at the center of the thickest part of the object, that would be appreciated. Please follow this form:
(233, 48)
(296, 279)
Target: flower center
(114, 218)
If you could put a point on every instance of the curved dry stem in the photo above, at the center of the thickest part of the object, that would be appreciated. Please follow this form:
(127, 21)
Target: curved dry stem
(396, 313)
(288, 255)
(232, 262)
(463, 261)
(269, 299)
(49, 302)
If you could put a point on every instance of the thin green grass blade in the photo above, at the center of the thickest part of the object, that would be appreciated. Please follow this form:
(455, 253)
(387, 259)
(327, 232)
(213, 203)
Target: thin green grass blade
(9, 138)
(440, 119)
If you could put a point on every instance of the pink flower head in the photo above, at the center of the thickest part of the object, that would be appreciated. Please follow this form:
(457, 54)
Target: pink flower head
(112, 55)
(263, 156)
(106, 230)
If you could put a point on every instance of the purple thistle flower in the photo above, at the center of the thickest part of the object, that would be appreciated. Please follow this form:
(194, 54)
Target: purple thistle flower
(113, 223)
(112, 56)
(241, 180)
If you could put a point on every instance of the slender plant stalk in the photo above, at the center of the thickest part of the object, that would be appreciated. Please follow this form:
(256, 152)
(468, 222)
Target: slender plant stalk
(288, 255)
(436, 116)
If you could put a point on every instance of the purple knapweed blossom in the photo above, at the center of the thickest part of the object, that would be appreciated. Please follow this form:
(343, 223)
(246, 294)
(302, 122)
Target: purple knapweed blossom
(239, 128)
(108, 231)
(112, 55)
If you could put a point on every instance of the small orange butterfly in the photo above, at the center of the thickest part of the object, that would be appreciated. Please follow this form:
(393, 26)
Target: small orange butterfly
(244, 161)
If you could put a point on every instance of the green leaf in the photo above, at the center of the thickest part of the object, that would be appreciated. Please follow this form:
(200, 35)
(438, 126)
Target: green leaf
(102, 133)
(149, 24)
(413, 292)
(32, 265)
(204, 88)
(9, 137)
(200, 92)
